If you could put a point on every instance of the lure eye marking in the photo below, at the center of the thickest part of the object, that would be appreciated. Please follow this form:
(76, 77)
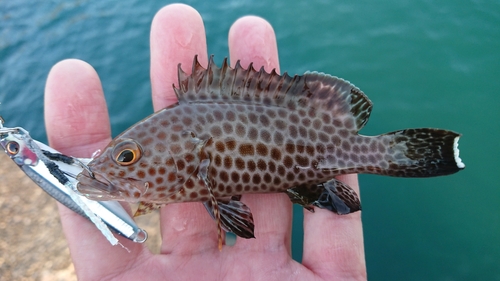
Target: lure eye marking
(12, 148)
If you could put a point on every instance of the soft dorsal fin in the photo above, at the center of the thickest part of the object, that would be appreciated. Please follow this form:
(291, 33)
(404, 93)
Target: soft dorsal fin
(331, 95)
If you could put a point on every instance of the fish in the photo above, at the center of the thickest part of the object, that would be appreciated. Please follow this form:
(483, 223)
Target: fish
(236, 131)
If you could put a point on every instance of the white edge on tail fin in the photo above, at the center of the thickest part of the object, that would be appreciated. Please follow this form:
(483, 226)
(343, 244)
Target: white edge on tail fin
(456, 152)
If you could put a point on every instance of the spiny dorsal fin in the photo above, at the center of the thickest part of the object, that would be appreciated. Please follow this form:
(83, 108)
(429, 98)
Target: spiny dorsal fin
(331, 95)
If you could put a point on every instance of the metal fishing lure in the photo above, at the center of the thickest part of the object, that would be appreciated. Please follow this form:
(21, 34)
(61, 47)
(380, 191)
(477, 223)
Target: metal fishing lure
(55, 174)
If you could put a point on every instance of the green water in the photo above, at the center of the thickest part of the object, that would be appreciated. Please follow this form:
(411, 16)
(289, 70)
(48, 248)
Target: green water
(422, 63)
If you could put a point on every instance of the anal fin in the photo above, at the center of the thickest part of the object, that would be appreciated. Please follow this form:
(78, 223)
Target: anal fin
(332, 195)
(305, 195)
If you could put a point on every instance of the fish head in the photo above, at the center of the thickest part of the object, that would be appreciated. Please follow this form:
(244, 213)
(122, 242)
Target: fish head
(125, 171)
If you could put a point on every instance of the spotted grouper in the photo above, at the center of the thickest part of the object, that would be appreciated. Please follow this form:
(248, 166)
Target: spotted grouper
(235, 131)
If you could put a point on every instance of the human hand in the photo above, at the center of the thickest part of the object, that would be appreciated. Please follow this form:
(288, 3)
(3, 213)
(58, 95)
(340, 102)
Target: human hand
(77, 124)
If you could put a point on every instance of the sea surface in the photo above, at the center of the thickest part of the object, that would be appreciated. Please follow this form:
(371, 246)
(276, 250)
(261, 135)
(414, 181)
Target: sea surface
(423, 64)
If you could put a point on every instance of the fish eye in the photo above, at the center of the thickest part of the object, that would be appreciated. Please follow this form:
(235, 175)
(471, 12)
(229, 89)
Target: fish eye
(127, 152)
(12, 147)
(126, 156)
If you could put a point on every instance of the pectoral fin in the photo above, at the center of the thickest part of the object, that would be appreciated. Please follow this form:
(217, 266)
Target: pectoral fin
(332, 195)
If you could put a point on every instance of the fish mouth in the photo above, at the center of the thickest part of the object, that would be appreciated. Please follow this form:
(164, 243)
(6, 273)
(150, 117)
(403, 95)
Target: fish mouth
(100, 188)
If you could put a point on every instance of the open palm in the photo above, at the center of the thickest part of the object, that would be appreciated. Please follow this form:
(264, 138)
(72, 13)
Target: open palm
(78, 124)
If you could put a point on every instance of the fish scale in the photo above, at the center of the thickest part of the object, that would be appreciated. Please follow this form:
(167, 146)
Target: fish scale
(236, 131)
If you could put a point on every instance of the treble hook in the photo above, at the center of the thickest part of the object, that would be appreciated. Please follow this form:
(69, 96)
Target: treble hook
(84, 166)
(68, 160)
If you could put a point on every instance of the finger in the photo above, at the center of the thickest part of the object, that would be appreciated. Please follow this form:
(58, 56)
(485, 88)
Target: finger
(177, 35)
(76, 116)
(333, 244)
(77, 124)
(252, 39)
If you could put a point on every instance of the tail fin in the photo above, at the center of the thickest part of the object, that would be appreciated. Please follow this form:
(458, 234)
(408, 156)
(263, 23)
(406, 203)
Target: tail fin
(422, 153)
